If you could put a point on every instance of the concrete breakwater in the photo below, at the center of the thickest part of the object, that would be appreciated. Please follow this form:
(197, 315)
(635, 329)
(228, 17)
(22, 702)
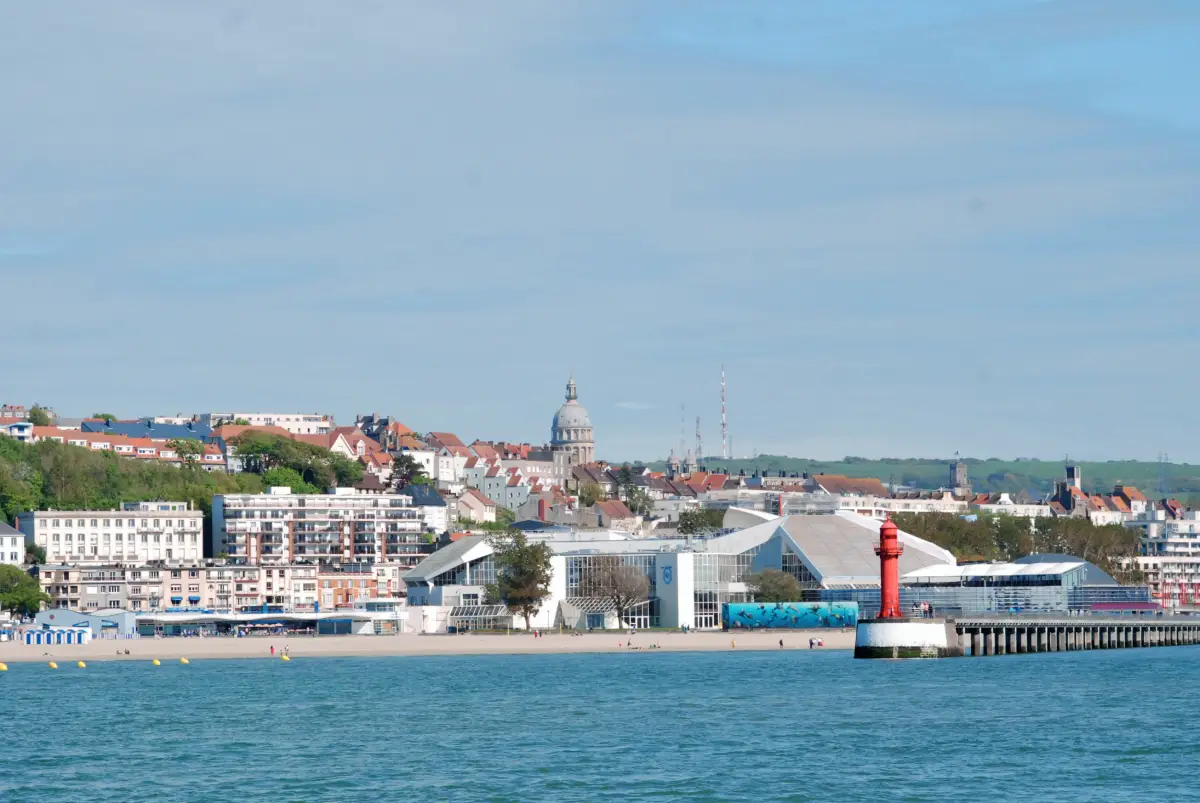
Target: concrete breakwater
(1004, 635)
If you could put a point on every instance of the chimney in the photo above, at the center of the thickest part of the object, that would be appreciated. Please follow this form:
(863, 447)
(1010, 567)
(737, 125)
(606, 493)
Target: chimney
(541, 510)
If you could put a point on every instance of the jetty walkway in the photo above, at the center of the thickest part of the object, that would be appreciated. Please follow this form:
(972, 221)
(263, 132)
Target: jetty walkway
(1002, 635)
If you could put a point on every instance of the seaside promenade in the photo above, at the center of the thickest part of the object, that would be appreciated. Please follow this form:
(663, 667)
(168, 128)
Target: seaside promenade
(517, 643)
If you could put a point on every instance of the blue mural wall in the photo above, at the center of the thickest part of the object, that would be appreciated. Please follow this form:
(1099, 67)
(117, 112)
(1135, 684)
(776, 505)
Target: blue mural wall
(791, 615)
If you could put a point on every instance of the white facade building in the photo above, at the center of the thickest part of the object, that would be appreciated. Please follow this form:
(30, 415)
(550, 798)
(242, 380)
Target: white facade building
(139, 532)
(12, 545)
(1170, 559)
(281, 527)
(295, 423)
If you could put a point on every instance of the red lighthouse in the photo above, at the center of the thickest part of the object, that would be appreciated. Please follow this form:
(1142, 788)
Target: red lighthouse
(889, 551)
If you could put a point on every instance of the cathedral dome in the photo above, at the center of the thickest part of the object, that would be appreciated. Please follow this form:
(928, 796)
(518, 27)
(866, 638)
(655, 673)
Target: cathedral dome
(571, 430)
(571, 415)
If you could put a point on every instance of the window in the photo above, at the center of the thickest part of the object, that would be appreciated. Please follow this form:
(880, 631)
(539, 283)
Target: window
(93, 522)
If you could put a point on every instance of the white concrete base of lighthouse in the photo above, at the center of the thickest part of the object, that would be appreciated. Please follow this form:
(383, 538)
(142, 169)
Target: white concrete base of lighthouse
(906, 638)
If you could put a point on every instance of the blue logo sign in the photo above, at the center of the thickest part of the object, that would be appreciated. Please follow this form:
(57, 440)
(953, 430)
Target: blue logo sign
(667, 573)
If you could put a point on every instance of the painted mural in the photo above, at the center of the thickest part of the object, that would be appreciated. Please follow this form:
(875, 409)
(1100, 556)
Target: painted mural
(789, 615)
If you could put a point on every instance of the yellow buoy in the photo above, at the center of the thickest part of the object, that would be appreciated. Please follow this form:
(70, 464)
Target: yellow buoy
(53, 665)
(285, 658)
(184, 661)
(81, 665)
(157, 662)
(3, 667)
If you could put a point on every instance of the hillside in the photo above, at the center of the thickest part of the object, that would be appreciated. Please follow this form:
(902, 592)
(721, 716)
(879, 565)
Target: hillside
(1037, 476)
(52, 475)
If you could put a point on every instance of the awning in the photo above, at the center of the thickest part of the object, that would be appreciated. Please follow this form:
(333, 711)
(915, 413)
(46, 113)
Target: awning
(194, 599)
(176, 599)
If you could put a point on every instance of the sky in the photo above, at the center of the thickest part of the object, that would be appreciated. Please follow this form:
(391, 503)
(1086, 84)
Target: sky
(904, 229)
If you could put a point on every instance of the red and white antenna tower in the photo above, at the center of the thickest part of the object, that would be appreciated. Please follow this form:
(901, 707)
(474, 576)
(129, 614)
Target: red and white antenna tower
(724, 428)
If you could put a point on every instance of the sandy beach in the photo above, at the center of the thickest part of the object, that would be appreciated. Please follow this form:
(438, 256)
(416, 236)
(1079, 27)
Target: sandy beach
(146, 649)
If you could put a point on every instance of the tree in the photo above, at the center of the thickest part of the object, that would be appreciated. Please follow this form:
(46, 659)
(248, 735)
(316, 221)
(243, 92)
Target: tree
(522, 573)
(35, 554)
(625, 482)
(19, 592)
(284, 477)
(241, 422)
(104, 416)
(772, 585)
(639, 502)
(407, 470)
(38, 416)
(590, 493)
(190, 450)
(701, 522)
(608, 577)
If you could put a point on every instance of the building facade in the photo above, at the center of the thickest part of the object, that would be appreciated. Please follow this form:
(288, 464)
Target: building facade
(295, 423)
(12, 545)
(281, 527)
(140, 532)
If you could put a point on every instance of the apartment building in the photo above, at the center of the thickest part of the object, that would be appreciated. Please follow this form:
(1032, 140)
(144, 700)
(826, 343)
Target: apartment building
(12, 545)
(295, 423)
(84, 589)
(281, 528)
(140, 532)
(343, 585)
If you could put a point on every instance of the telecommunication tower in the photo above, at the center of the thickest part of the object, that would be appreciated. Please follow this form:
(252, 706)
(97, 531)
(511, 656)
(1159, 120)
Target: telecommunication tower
(724, 428)
(699, 443)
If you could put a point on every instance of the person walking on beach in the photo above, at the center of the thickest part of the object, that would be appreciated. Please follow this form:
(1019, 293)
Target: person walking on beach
(272, 650)
(781, 644)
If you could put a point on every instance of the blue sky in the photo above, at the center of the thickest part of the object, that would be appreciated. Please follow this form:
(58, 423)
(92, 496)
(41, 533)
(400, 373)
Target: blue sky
(905, 229)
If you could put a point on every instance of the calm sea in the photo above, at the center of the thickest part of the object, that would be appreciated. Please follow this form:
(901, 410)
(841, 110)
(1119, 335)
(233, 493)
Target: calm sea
(794, 726)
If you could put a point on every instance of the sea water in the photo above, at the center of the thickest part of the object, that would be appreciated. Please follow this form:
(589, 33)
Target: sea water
(731, 726)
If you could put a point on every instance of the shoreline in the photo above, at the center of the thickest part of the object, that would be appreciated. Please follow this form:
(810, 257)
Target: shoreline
(517, 643)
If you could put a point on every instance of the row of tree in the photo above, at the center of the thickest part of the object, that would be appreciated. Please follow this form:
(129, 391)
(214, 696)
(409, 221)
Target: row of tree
(989, 538)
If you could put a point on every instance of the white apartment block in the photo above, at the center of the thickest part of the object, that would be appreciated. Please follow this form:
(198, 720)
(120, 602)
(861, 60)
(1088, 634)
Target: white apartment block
(281, 527)
(1170, 547)
(295, 423)
(140, 532)
(12, 545)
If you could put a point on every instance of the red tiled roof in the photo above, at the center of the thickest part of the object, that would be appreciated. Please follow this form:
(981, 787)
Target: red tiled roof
(614, 509)
(478, 494)
(446, 438)
(840, 484)
(485, 450)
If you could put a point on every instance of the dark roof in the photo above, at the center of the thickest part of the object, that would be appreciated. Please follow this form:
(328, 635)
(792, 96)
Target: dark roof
(424, 496)
(370, 483)
(534, 525)
(146, 428)
(7, 529)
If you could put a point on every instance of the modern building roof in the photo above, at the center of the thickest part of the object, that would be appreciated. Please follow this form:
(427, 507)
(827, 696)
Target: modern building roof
(1093, 575)
(464, 550)
(943, 572)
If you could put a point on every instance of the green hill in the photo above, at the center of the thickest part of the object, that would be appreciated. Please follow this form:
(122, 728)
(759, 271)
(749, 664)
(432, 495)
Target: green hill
(1036, 476)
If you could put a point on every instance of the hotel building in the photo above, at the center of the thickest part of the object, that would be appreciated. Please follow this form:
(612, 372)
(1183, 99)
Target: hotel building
(140, 532)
